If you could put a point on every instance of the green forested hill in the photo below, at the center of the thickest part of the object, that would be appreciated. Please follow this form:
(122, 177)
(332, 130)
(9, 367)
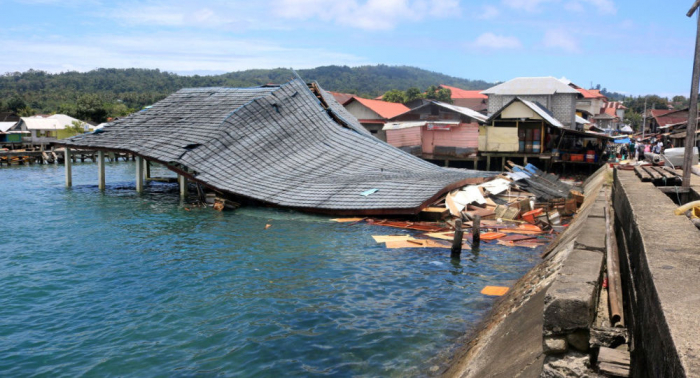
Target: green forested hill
(113, 92)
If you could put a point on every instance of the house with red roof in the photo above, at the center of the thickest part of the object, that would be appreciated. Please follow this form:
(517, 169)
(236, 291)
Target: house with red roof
(373, 114)
(474, 100)
(436, 130)
(342, 98)
(664, 120)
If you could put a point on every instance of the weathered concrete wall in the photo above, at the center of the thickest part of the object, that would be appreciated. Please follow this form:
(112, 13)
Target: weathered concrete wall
(660, 267)
(510, 344)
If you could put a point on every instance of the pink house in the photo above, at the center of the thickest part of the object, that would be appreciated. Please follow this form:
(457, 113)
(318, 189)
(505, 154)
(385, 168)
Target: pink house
(436, 130)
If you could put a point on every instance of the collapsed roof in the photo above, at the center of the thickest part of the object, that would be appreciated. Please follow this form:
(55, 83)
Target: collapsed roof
(288, 145)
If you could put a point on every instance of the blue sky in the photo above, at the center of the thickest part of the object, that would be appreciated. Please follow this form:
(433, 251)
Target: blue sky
(635, 47)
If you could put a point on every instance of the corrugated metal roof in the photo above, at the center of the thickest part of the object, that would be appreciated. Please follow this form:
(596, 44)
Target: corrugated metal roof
(4, 126)
(458, 109)
(582, 121)
(590, 93)
(42, 124)
(280, 146)
(463, 93)
(410, 124)
(537, 108)
(385, 109)
(462, 110)
(342, 98)
(52, 122)
(531, 86)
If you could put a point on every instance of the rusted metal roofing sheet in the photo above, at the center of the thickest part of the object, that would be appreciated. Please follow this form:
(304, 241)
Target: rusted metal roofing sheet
(279, 145)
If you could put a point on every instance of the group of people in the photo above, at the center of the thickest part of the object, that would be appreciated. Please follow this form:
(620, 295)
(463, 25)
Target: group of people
(636, 149)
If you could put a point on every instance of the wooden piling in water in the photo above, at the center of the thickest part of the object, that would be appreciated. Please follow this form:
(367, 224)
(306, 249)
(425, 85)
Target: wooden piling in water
(456, 249)
(139, 174)
(68, 164)
(101, 170)
(476, 231)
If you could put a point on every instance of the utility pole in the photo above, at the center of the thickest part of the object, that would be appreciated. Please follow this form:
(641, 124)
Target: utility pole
(693, 111)
(644, 118)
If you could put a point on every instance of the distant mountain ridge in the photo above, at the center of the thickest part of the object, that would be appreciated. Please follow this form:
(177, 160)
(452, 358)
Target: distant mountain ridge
(134, 88)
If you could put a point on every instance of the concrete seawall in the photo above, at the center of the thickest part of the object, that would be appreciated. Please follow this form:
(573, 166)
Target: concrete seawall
(555, 299)
(660, 258)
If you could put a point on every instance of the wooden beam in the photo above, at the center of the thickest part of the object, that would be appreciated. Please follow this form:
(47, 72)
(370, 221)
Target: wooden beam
(182, 180)
(69, 171)
(139, 174)
(693, 8)
(101, 170)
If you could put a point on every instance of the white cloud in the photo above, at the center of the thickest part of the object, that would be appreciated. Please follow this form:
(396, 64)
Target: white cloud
(603, 6)
(176, 52)
(489, 12)
(526, 5)
(369, 14)
(495, 42)
(560, 40)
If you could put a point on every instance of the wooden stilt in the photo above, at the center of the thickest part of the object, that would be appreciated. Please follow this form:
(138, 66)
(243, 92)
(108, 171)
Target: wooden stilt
(476, 231)
(139, 174)
(148, 170)
(101, 170)
(69, 171)
(456, 249)
(488, 163)
(182, 180)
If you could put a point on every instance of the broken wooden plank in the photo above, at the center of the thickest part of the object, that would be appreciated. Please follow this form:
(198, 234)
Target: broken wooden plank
(613, 369)
(387, 238)
(655, 176)
(614, 362)
(614, 355)
(642, 174)
(419, 243)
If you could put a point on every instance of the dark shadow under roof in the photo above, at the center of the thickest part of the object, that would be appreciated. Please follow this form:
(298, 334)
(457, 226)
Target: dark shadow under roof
(278, 145)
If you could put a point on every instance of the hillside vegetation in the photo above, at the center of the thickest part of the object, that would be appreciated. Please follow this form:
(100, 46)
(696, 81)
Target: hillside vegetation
(109, 92)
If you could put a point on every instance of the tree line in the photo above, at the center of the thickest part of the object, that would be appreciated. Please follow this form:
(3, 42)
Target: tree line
(108, 92)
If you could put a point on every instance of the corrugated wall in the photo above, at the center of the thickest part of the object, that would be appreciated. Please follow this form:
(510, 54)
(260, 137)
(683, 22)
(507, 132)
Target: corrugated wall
(466, 135)
(404, 137)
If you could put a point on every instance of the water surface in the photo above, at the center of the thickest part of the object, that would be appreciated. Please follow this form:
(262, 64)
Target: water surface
(119, 284)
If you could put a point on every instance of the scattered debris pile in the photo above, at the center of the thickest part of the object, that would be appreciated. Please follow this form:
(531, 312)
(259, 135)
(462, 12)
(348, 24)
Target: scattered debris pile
(523, 207)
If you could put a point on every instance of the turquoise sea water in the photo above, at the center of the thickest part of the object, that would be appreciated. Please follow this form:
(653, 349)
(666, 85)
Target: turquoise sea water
(119, 284)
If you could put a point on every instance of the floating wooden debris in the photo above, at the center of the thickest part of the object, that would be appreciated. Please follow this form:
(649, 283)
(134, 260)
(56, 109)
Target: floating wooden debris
(418, 243)
(495, 291)
(492, 235)
(434, 214)
(419, 226)
(388, 238)
(346, 220)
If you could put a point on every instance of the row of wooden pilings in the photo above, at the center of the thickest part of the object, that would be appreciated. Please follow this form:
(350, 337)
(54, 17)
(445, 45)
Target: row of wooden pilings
(143, 172)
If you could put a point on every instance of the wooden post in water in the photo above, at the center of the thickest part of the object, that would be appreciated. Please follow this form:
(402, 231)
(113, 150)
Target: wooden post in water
(101, 170)
(148, 170)
(476, 231)
(139, 174)
(456, 250)
(182, 180)
(69, 170)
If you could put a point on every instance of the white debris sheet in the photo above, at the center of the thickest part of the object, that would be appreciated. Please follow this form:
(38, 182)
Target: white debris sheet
(458, 199)
(496, 186)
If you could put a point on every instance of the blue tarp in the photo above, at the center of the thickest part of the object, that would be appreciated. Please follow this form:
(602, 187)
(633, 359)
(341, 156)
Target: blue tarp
(622, 141)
